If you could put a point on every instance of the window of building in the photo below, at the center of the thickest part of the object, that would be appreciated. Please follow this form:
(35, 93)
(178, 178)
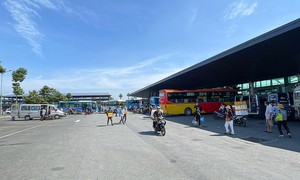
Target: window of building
(266, 83)
(292, 79)
(279, 81)
(257, 84)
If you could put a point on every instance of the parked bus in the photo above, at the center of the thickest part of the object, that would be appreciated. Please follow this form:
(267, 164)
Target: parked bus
(284, 99)
(255, 103)
(296, 98)
(184, 101)
(154, 101)
(133, 103)
(113, 104)
(78, 105)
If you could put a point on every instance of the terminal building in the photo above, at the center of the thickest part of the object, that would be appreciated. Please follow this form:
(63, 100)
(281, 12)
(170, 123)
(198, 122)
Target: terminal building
(267, 63)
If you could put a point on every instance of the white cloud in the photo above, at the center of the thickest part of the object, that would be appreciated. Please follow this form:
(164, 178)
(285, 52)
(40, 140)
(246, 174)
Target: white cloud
(112, 80)
(194, 14)
(240, 9)
(24, 13)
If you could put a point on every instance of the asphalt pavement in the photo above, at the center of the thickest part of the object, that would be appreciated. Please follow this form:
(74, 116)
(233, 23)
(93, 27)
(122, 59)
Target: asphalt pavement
(84, 147)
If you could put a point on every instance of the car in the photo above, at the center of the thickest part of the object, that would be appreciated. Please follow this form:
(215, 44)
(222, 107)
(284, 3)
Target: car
(8, 111)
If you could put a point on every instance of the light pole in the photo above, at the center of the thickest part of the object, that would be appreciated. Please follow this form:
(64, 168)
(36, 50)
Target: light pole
(1, 91)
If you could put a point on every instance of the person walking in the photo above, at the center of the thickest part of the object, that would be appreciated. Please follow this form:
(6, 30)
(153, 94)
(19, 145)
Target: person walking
(268, 115)
(228, 121)
(125, 115)
(197, 116)
(282, 121)
(109, 115)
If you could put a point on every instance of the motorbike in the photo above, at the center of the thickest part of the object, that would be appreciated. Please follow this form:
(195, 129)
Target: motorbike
(239, 120)
(218, 115)
(160, 126)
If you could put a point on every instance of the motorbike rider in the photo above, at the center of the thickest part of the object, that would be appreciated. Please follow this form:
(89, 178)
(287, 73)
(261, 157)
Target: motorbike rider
(222, 108)
(157, 113)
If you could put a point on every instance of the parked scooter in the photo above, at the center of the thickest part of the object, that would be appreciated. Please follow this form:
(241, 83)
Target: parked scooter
(239, 120)
(218, 115)
(159, 126)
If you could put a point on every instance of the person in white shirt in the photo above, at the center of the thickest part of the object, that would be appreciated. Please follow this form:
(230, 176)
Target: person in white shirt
(268, 115)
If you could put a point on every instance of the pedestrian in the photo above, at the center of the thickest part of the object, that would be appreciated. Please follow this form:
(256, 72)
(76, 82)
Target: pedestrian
(268, 115)
(228, 120)
(43, 113)
(197, 116)
(125, 114)
(281, 119)
(109, 115)
(116, 111)
(121, 114)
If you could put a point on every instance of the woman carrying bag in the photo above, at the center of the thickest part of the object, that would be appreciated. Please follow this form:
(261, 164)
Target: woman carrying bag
(281, 119)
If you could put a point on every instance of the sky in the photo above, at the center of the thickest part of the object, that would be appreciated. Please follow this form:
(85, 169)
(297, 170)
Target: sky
(121, 46)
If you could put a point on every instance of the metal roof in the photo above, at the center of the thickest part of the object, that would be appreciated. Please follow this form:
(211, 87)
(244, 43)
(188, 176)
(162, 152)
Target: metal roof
(271, 55)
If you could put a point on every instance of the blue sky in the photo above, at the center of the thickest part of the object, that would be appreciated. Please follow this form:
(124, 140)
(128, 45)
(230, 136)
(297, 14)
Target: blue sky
(120, 46)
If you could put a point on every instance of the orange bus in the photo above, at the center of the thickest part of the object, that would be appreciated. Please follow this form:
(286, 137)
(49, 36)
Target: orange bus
(176, 102)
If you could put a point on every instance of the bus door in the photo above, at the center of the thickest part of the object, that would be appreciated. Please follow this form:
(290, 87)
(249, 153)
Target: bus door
(251, 104)
(257, 104)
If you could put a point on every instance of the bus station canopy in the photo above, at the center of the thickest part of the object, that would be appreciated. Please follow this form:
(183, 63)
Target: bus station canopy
(271, 55)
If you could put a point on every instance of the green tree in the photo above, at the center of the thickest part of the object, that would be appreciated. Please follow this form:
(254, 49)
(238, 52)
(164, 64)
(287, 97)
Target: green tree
(51, 95)
(18, 76)
(68, 96)
(2, 69)
(34, 98)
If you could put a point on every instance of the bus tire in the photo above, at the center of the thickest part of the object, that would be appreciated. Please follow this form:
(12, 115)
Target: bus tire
(188, 112)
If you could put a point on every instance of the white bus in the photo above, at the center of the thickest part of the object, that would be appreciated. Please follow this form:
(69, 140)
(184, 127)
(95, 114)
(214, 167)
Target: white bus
(255, 103)
(113, 104)
(296, 96)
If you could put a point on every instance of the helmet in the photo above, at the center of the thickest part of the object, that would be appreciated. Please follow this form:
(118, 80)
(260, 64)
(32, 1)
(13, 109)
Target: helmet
(158, 107)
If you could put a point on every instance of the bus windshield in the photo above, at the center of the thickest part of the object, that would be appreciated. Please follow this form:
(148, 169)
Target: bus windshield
(281, 98)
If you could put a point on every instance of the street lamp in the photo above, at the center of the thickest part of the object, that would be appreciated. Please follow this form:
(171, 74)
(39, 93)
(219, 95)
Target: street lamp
(1, 91)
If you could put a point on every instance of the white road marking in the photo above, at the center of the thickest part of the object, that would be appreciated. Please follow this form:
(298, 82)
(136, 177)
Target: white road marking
(23, 130)
(77, 120)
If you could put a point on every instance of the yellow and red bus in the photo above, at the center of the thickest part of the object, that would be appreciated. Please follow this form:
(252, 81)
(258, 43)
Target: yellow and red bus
(176, 102)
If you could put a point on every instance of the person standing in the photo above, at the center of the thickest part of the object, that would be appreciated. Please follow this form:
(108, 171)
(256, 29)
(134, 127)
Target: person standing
(197, 116)
(109, 115)
(268, 115)
(282, 121)
(121, 114)
(228, 120)
(43, 113)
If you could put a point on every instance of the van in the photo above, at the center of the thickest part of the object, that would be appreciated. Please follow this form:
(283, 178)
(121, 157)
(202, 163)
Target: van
(30, 111)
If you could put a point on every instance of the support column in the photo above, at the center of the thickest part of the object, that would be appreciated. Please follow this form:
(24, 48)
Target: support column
(285, 84)
(251, 87)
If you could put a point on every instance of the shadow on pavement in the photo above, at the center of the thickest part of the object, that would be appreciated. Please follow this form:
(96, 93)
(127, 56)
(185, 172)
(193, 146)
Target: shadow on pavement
(254, 131)
(148, 133)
